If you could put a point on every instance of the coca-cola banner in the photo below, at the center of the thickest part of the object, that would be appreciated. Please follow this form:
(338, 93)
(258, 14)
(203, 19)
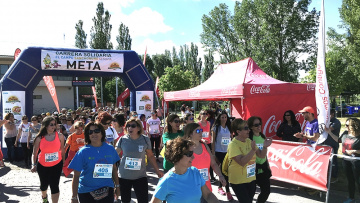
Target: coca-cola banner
(299, 164)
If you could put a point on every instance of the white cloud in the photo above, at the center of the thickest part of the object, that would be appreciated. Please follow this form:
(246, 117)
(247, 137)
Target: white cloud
(153, 47)
(144, 22)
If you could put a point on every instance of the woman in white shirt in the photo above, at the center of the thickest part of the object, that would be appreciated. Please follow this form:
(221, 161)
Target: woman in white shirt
(22, 137)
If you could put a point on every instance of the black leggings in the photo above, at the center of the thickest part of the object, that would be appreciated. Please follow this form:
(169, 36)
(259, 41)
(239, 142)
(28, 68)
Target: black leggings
(220, 157)
(244, 192)
(155, 142)
(50, 176)
(27, 153)
(140, 187)
(211, 170)
(264, 184)
(352, 171)
(87, 198)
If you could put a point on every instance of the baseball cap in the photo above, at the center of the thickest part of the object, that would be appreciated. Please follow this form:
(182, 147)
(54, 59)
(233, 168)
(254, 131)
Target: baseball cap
(307, 109)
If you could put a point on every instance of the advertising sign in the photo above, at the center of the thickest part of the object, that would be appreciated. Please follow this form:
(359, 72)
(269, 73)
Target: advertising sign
(299, 164)
(144, 102)
(82, 61)
(13, 102)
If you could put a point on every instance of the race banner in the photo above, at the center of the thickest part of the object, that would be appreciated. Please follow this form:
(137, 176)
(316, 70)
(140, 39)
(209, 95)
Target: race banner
(121, 98)
(322, 89)
(13, 102)
(299, 164)
(82, 61)
(49, 82)
(144, 102)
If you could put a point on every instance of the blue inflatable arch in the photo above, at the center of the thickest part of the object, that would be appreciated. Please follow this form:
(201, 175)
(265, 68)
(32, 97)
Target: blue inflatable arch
(35, 62)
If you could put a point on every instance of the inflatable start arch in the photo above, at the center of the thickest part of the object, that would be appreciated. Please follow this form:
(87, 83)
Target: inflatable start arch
(25, 73)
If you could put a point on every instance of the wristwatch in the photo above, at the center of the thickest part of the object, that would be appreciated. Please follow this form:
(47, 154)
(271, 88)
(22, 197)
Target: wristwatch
(116, 186)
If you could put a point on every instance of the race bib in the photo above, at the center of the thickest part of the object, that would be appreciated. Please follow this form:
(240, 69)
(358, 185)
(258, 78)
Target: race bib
(225, 141)
(132, 163)
(103, 171)
(250, 169)
(204, 173)
(260, 146)
(50, 157)
(205, 134)
(26, 130)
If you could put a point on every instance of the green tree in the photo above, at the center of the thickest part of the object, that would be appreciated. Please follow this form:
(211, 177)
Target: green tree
(110, 88)
(149, 65)
(350, 15)
(208, 66)
(123, 39)
(80, 37)
(100, 33)
(174, 79)
(175, 58)
(100, 36)
(161, 61)
(273, 33)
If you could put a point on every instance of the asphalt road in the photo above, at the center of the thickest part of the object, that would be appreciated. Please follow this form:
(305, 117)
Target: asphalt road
(18, 184)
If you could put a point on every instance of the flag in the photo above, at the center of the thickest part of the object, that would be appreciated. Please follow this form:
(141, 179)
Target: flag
(322, 89)
(94, 92)
(157, 91)
(17, 53)
(145, 56)
(51, 87)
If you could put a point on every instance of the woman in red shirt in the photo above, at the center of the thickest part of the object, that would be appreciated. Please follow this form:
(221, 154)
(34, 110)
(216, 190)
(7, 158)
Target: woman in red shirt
(50, 159)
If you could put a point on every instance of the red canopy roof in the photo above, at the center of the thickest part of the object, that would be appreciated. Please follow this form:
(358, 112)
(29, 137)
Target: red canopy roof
(238, 80)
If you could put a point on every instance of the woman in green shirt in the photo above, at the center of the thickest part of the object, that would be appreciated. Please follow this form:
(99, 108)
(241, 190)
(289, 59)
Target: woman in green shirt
(263, 172)
(172, 131)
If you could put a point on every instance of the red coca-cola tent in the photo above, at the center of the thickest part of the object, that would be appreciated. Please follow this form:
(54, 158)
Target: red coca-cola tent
(251, 92)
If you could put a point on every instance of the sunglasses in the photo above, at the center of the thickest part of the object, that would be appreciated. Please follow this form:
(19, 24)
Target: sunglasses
(204, 114)
(199, 130)
(106, 123)
(24, 118)
(257, 124)
(346, 125)
(33, 119)
(246, 128)
(287, 115)
(189, 153)
(135, 115)
(131, 125)
(152, 113)
(97, 130)
(52, 124)
(177, 121)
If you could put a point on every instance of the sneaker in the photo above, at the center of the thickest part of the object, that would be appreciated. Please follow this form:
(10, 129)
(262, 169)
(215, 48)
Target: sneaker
(45, 199)
(221, 191)
(349, 200)
(2, 163)
(229, 196)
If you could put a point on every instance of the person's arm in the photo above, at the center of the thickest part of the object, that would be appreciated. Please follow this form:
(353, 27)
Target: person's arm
(18, 135)
(62, 141)
(242, 160)
(28, 139)
(208, 195)
(216, 167)
(152, 161)
(314, 137)
(155, 200)
(2, 122)
(75, 186)
(35, 153)
(213, 142)
(280, 130)
(334, 137)
(147, 128)
(116, 180)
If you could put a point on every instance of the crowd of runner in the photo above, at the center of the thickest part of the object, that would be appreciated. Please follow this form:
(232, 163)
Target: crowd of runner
(108, 149)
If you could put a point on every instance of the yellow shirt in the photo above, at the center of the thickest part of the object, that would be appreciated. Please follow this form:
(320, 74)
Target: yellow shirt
(241, 174)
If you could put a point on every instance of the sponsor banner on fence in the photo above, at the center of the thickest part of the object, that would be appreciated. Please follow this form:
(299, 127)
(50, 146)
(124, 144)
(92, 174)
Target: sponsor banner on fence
(82, 61)
(299, 164)
(13, 102)
(144, 102)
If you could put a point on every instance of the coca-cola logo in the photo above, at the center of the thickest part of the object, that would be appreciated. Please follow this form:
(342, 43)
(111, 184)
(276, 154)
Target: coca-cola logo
(271, 125)
(310, 87)
(296, 160)
(229, 91)
(264, 89)
(194, 93)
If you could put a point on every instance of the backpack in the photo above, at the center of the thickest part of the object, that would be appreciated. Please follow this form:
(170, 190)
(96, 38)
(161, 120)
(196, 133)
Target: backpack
(225, 165)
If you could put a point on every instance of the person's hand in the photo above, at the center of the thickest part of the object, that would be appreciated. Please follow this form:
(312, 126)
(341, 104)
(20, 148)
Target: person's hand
(28, 146)
(298, 135)
(117, 192)
(267, 142)
(222, 180)
(349, 152)
(160, 174)
(253, 145)
(15, 145)
(204, 141)
(74, 200)
(328, 130)
(33, 169)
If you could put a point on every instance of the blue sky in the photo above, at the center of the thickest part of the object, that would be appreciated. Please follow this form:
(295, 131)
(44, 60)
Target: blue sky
(155, 24)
